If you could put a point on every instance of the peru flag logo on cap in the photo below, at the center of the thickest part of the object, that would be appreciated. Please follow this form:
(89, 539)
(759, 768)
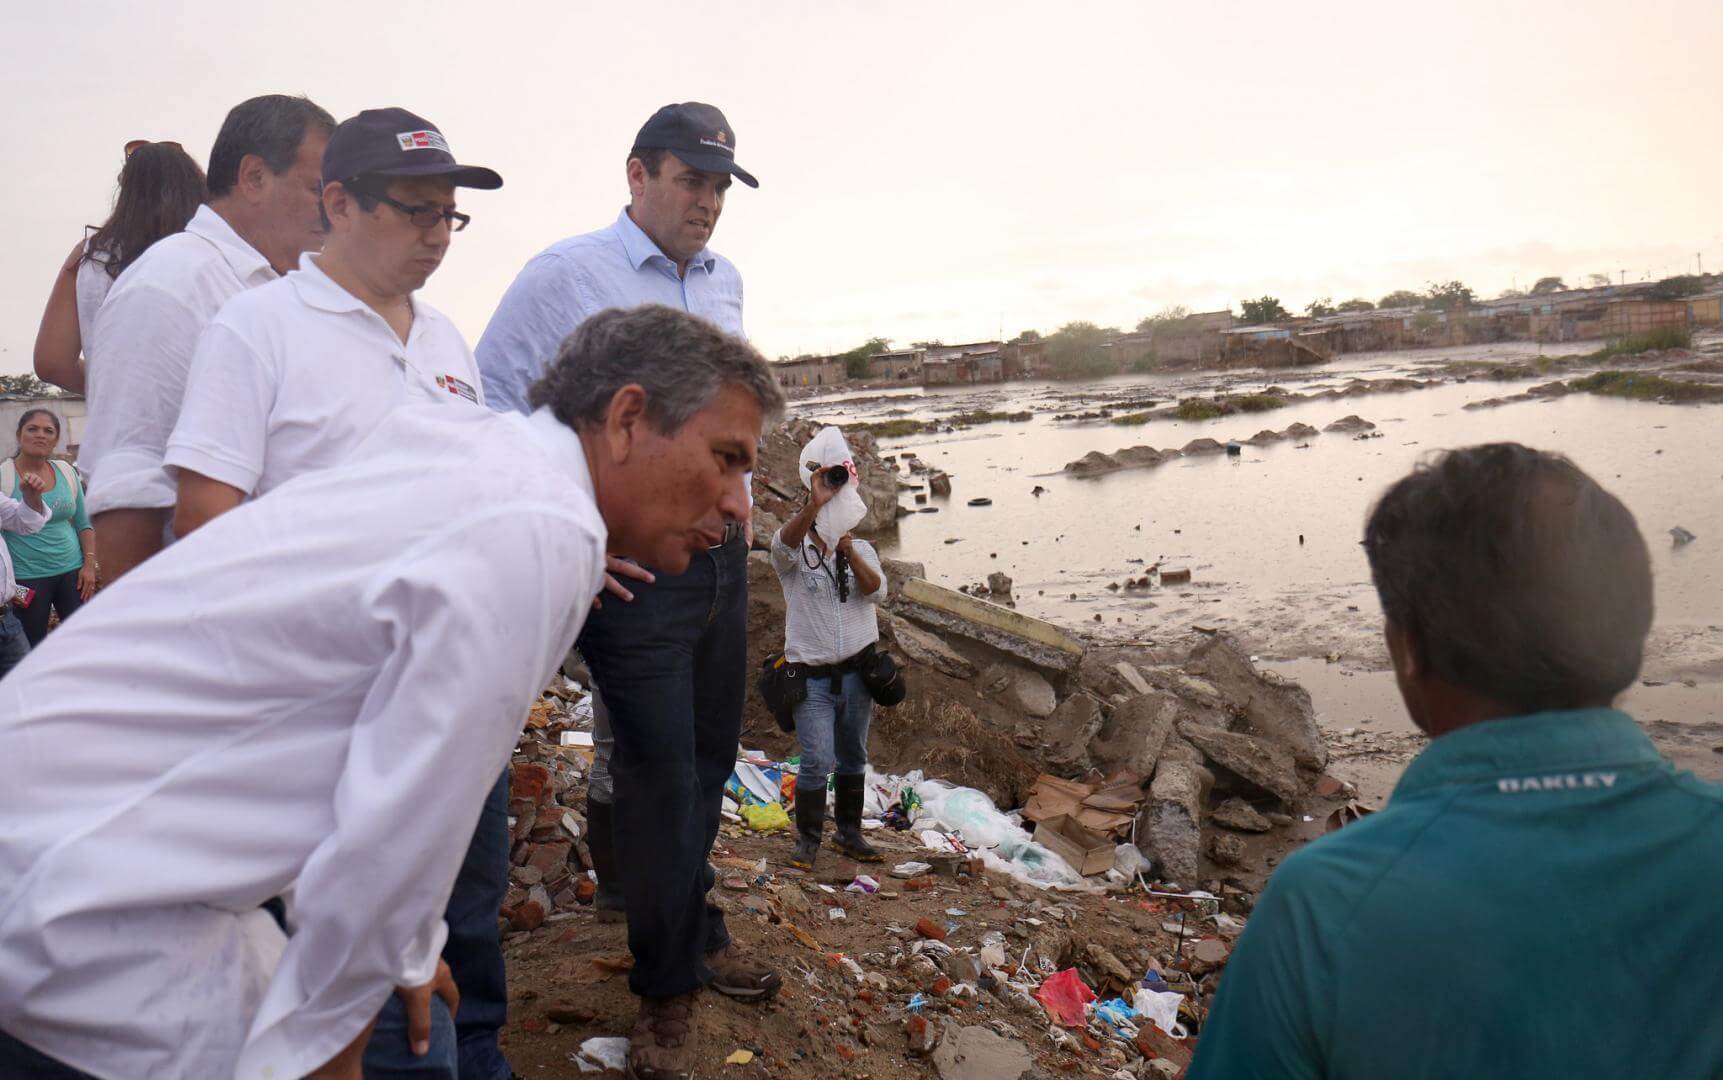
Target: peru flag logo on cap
(422, 140)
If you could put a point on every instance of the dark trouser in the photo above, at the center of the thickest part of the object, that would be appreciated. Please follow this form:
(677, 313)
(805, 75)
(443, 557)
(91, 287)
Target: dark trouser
(14, 646)
(475, 957)
(672, 666)
(59, 592)
(19, 1062)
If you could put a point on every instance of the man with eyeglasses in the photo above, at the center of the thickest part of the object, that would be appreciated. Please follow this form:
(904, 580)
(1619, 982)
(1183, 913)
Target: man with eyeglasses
(288, 379)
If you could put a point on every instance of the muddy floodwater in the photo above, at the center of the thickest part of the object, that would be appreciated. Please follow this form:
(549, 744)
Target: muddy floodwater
(1271, 536)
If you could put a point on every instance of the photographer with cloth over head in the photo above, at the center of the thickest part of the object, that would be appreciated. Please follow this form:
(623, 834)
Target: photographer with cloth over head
(831, 595)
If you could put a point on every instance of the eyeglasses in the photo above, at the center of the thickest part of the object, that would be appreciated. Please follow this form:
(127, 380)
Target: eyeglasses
(427, 217)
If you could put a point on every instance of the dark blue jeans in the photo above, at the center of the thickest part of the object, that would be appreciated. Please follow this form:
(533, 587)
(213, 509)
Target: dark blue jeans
(14, 646)
(466, 1048)
(20, 1062)
(672, 666)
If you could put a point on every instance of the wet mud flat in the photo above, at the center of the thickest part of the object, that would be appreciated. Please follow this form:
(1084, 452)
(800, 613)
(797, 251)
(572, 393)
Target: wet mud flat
(1269, 535)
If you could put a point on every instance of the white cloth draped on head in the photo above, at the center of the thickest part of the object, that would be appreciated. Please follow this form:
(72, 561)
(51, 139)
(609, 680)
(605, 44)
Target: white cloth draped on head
(846, 509)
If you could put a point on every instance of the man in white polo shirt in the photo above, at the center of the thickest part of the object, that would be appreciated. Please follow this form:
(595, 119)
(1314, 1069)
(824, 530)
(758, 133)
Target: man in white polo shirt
(310, 696)
(290, 378)
(262, 214)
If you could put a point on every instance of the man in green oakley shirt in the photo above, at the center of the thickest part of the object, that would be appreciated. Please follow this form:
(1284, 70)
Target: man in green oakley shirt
(1540, 896)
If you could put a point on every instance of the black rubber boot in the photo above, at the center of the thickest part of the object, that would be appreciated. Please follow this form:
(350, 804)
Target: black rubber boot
(810, 824)
(851, 791)
(601, 843)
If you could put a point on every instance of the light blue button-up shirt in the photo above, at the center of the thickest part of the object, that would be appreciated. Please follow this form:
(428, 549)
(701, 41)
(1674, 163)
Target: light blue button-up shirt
(574, 279)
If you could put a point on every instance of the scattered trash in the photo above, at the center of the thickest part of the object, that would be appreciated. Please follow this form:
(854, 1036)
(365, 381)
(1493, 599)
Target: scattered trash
(575, 738)
(1175, 575)
(981, 502)
(1160, 1008)
(917, 1003)
(1346, 815)
(1065, 997)
(927, 928)
(908, 870)
(1682, 536)
(740, 1057)
(835, 914)
(597, 1055)
(766, 817)
(863, 884)
(1086, 851)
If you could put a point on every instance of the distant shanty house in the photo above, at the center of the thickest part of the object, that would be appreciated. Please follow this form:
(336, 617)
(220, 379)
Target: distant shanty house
(1274, 346)
(1129, 351)
(1193, 341)
(810, 371)
(899, 365)
(70, 408)
(1642, 315)
(976, 362)
(1025, 359)
(1705, 309)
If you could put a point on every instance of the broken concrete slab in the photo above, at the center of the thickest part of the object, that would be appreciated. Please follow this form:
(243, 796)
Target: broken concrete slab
(1026, 691)
(938, 483)
(1028, 639)
(1132, 676)
(977, 1053)
(1068, 732)
(898, 571)
(1169, 830)
(1259, 762)
(1272, 707)
(929, 649)
(1240, 816)
(1134, 735)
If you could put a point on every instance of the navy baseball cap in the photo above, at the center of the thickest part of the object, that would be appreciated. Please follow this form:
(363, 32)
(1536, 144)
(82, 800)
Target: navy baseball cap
(394, 142)
(698, 134)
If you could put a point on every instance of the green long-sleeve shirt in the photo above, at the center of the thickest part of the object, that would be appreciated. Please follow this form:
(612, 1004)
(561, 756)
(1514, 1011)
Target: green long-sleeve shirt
(1540, 898)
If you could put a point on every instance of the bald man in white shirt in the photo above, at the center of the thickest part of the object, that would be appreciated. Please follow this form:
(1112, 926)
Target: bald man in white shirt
(310, 697)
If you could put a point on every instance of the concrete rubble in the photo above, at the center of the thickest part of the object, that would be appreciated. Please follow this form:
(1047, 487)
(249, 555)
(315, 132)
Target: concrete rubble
(1175, 780)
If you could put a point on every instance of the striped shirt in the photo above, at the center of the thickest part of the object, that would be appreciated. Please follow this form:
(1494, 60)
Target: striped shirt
(817, 628)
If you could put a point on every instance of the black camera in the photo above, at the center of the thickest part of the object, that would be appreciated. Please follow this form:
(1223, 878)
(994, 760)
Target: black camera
(836, 475)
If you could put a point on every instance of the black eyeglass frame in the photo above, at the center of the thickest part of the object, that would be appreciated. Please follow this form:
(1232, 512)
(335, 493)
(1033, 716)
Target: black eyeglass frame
(457, 220)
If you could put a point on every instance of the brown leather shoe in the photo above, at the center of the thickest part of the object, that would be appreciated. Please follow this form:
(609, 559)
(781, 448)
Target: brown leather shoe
(735, 974)
(662, 1046)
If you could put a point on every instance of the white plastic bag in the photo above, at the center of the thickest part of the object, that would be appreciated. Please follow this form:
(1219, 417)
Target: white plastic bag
(846, 509)
(1160, 1009)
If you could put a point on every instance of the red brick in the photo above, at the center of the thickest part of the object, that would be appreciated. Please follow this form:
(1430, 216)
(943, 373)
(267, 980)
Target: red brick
(551, 859)
(530, 781)
(927, 928)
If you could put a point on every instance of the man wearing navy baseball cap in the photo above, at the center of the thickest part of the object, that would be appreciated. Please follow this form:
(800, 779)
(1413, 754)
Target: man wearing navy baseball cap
(289, 379)
(668, 653)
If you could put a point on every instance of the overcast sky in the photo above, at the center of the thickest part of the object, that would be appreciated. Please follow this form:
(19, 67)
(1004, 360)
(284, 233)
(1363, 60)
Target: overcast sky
(953, 170)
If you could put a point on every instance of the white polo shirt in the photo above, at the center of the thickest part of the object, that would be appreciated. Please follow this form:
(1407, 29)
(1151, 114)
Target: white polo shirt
(311, 694)
(144, 336)
(292, 376)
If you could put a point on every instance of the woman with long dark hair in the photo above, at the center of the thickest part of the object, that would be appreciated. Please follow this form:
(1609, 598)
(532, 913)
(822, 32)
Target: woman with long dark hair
(160, 188)
(57, 563)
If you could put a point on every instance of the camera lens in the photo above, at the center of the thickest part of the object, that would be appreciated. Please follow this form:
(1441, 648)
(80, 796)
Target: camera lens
(837, 476)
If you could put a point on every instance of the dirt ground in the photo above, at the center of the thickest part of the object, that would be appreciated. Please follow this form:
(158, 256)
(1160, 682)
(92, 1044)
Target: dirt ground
(826, 1024)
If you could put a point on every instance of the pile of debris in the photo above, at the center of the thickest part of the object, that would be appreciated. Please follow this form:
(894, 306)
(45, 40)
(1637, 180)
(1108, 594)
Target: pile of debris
(549, 854)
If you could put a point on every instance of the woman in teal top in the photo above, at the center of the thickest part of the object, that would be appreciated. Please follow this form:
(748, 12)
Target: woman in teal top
(59, 562)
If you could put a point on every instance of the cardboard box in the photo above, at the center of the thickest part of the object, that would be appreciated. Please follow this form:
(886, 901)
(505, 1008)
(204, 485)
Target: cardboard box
(1088, 852)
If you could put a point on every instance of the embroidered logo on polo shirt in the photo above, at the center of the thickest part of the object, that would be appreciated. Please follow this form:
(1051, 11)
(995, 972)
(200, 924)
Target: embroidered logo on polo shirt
(458, 387)
(1560, 782)
(422, 140)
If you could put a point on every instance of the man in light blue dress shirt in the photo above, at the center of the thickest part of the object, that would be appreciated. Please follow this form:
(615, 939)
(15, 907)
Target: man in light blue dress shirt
(668, 653)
